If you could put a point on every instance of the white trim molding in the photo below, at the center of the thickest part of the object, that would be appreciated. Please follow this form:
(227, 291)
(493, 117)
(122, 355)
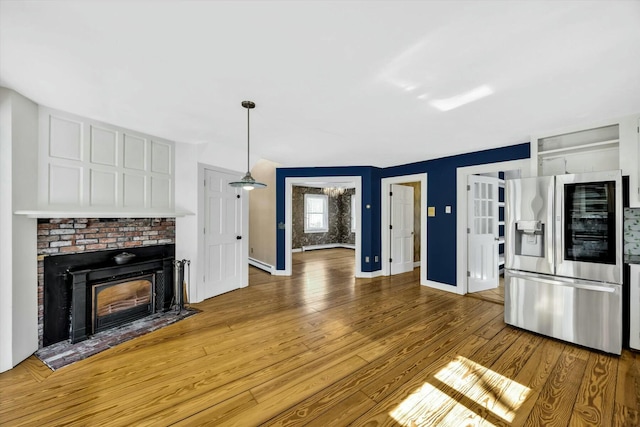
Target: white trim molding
(385, 221)
(261, 265)
(354, 181)
(443, 287)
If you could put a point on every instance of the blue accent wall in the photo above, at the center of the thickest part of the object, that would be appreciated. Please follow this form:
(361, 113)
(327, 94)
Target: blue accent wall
(441, 191)
(370, 219)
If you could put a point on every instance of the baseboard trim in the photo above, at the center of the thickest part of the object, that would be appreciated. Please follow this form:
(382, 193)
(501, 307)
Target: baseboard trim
(368, 274)
(443, 287)
(327, 246)
(261, 265)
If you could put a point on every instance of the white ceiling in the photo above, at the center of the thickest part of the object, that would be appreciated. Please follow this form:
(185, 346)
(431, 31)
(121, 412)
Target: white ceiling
(335, 82)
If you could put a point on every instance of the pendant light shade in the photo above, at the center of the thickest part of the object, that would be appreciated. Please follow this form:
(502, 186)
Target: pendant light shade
(247, 182)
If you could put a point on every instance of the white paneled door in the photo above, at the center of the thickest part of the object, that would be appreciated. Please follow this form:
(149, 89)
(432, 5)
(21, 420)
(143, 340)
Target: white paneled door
(483, 233)
(401, 228)
(224, 234)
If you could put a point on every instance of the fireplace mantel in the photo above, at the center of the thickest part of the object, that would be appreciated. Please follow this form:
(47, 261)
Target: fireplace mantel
(101, 214)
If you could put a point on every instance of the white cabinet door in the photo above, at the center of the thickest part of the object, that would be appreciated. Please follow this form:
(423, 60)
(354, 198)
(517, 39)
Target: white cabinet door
(634, 307)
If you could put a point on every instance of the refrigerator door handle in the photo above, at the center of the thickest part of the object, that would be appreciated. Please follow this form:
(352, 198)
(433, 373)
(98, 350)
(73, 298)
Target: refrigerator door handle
(586, 286)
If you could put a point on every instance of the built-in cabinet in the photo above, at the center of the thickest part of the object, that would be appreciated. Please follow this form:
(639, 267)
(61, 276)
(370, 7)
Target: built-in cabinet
(89, 165)
(634, 307)
(606, 145)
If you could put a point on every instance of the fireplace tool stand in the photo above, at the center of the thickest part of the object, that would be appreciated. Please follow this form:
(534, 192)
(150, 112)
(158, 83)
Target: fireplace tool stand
(179, 286)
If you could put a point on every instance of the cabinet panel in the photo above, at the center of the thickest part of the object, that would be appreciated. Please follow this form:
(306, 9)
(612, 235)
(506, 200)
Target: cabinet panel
(634, 307)
(160, 192)
(160, 157)
(135, 153)
(134, 191)
(103, 188)
(65, 186)
(104, 146)
(65, 138)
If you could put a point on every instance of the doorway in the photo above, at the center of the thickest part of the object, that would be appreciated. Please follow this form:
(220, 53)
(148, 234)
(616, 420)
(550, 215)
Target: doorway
(516, 167)
(386, 185)
(351, 181)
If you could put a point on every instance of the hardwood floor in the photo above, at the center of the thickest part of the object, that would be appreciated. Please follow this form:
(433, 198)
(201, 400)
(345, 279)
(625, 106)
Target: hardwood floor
(492, 295)
(322, 349)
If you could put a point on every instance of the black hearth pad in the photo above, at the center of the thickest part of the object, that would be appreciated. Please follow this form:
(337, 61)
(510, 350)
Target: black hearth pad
(64, 353)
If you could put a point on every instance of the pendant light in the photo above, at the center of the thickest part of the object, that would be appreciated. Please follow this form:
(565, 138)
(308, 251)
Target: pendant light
(248, 182)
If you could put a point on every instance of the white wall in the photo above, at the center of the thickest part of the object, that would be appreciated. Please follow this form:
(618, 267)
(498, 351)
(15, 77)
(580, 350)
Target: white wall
(6, 233)
(188, 183)
(18, 247)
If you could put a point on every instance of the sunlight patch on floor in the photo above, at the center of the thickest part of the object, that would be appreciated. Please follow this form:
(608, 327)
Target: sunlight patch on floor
(429, 405)
(499, 394)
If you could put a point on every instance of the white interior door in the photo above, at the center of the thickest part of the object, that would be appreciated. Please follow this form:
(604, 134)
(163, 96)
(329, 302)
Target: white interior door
(401, 228)
(483, 232)
(223, 234)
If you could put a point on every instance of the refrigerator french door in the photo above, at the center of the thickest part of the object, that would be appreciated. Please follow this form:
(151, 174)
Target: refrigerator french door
(589, 226)
(563, 260)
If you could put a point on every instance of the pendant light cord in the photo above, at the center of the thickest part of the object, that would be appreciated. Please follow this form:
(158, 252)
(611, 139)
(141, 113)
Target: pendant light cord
(248, 127)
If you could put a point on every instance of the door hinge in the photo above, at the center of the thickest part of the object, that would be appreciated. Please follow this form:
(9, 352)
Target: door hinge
(390, 227)
(390, 259)
(205, 183)
(468, 231)
(238, 196)
(204, 278)
(468, 187)
(468, 274)
(391, 193)
(204, 230)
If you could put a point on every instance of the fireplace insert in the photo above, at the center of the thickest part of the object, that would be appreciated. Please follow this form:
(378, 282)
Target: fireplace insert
(88, 292)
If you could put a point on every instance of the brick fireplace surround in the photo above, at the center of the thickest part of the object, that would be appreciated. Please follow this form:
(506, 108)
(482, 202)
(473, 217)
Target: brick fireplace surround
(77, 235)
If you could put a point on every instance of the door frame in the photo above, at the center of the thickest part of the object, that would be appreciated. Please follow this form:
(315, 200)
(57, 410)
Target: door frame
(523, 165)
(385, 221)
(244, 282)
(356, 181)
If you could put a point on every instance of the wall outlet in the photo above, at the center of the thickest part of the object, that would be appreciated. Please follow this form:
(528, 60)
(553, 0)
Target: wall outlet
(366, 259)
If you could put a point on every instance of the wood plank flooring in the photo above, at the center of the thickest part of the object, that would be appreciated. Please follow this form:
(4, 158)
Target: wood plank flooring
(321, 348)
(493, 295)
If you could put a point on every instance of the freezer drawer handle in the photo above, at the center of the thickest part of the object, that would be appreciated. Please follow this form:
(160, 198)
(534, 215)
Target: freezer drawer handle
(570, 285)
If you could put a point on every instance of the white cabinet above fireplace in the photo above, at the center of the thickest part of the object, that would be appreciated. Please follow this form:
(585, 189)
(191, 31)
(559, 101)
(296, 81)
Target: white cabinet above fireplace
(89, 166)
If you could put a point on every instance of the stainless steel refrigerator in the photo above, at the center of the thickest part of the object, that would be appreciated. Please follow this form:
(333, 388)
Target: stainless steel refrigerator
(563, 257)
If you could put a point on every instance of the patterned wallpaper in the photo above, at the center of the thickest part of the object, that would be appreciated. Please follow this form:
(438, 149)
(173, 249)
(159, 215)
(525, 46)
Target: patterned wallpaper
(631, 231)
(339, 219)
